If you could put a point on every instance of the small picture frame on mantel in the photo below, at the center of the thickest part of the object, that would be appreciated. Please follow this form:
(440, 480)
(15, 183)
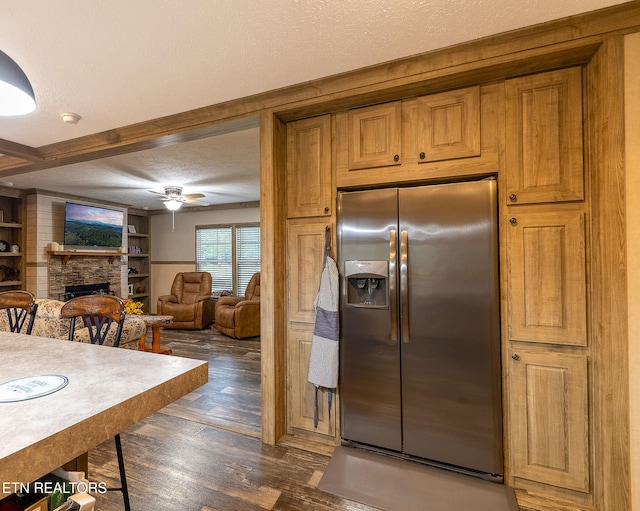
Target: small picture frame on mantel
(130, 290)
(131, 229)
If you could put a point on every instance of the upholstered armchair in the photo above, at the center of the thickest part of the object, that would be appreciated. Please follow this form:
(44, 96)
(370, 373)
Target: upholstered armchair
(239, 316)
(190, 302)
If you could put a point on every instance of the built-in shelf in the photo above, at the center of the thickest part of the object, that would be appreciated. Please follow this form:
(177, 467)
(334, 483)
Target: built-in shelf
(12, 234)
(8, 283)
(66, 255)
(139, 260)
(138, 295)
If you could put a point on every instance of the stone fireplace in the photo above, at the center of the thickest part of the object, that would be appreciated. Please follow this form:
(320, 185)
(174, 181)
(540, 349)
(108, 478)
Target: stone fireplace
(81, 271)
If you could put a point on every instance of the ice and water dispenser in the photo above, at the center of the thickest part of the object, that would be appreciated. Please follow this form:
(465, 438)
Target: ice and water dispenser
(367, 283)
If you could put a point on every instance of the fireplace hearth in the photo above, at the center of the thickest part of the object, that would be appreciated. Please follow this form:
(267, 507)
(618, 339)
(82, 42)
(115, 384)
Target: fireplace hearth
(101, 288)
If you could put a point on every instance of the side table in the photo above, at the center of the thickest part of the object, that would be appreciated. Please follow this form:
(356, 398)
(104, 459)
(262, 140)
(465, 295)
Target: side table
(155, 322)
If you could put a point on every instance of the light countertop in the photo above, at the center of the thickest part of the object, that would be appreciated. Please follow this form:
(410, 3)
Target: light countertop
(109, 390)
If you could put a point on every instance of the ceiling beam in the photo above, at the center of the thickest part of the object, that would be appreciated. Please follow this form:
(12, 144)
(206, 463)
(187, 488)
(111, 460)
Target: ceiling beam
(24, 152)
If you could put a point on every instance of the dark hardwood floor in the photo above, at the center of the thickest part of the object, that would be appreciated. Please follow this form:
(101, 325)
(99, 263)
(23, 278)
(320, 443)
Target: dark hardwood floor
(204, 453)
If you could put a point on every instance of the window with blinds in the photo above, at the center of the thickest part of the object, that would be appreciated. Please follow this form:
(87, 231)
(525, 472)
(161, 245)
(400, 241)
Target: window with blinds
(231, 253)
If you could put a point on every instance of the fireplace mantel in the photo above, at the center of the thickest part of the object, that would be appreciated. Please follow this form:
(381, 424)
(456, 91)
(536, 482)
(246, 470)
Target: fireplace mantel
(67, 254)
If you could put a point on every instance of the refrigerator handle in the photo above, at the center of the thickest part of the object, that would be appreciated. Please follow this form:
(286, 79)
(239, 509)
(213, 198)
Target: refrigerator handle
(404, 285)
(393, 305)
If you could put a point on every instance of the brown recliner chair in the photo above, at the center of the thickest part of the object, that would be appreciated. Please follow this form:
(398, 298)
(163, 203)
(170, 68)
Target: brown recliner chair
(190, 302)
(239, 316)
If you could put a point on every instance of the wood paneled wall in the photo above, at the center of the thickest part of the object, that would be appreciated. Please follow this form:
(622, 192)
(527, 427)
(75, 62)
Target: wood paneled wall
(632, 156)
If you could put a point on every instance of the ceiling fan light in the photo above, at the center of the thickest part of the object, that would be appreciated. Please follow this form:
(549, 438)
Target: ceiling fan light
(173, 204)
(16, 94)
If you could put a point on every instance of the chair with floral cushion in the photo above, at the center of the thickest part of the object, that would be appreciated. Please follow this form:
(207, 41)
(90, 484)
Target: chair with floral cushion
(19, 306)
(98, 313)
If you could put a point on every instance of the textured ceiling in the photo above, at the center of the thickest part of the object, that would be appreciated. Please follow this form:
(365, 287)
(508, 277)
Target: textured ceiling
(119, 62)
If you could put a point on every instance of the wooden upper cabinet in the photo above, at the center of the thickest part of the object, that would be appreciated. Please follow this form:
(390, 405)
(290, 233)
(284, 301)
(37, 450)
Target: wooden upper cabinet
(544, 148)
(448, 125)
(549, 419)
(309, 183)
(547, 277)
(438, 136)
(375, 136)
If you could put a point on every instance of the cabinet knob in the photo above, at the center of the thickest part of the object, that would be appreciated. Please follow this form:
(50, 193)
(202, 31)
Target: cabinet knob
(422, 155)
(396, 158)
(513, 197)
(326, 210)
(513, 220)
(515, 356)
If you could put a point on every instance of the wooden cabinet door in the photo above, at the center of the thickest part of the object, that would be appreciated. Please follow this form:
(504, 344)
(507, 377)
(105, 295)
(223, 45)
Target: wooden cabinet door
(548, 417)
(546, 277)
(544, 137)
(305, 253)
(448, 125)
(375, 136)
(301, 395)
(309, 183)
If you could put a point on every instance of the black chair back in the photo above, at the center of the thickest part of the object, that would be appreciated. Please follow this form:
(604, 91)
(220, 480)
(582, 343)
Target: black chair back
(99, 312)
(19, 305)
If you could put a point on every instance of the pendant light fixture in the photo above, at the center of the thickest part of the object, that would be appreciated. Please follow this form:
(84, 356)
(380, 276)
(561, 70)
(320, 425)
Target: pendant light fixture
(16, 94)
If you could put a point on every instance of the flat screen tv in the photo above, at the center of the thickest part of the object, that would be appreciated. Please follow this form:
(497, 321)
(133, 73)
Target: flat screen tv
(91, 226)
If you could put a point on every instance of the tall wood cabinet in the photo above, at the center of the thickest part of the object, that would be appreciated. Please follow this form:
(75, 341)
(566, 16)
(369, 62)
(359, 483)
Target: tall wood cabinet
(547, 350)
(11, 244)
(310, 212)
(139, 265)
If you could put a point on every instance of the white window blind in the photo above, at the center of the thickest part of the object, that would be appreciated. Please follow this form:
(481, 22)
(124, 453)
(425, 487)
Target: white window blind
(247, 255)
(231, 253)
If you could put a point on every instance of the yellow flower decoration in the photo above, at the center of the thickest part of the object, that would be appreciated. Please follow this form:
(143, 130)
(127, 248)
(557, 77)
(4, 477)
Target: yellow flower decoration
(132, 307)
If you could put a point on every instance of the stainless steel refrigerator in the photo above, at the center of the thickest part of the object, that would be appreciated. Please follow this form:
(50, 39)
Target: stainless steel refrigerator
(420, 346)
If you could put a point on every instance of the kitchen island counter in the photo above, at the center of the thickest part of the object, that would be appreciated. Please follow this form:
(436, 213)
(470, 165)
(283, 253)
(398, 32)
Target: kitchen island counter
(108, 390)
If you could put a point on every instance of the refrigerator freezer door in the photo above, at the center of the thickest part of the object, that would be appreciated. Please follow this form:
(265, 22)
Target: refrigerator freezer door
(369, 350)
(451, 353)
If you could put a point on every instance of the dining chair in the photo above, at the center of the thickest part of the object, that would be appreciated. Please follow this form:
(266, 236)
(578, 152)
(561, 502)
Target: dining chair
(19, 305)
(99, 313)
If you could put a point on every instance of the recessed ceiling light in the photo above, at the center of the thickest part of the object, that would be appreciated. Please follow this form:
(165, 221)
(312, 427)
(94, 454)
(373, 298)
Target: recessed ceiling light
(70, 117)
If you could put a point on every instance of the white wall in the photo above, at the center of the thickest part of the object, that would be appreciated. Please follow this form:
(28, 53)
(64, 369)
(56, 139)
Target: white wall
(174, 250)
(632, 144)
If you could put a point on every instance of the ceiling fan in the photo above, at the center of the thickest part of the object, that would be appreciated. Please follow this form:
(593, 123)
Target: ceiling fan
(173, 197)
